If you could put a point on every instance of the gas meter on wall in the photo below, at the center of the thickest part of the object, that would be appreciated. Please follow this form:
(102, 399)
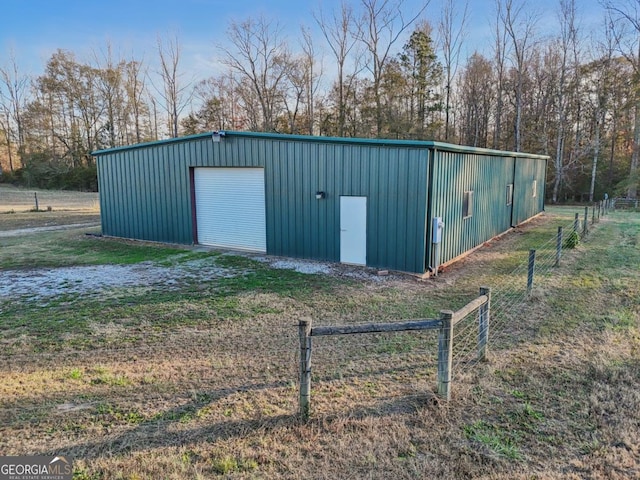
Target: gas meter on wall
(438, 227)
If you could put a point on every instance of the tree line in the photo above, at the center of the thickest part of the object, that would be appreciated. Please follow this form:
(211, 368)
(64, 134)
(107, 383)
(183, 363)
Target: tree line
(371, 68)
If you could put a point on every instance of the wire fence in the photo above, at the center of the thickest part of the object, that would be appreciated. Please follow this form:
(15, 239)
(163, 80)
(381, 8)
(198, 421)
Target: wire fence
(21, 200)
(175, 375)
(626, 203)
(149, 385)
(511, 299)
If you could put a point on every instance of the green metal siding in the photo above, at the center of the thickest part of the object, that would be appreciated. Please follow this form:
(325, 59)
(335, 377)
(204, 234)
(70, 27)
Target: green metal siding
(487, 176)
(525, 205)
(300, 226)
(145, 194)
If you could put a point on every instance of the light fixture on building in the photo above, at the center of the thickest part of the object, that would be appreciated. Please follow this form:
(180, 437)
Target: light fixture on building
(320, 195)
(216, 135)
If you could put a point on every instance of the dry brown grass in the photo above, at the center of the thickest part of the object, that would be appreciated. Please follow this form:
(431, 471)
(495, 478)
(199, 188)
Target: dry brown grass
(56, 207)
(20, 198)
(560, 402)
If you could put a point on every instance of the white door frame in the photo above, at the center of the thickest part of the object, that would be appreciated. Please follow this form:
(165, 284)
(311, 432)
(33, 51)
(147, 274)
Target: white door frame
(353, 230)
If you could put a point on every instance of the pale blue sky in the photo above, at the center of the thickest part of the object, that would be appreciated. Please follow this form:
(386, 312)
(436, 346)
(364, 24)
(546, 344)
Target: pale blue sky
(36, 28)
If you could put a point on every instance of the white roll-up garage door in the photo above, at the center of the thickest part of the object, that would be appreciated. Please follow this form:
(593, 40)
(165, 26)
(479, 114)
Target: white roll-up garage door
(230, 208)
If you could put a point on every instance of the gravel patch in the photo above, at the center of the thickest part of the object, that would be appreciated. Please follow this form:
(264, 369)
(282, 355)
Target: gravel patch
(37, 284)
(302, 267)
(325, 268)
(104, 281)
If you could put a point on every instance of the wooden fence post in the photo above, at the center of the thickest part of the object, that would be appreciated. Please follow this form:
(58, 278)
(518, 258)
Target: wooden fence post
(593, 214)
(576, 223)
(531, 270)
(585, 228)
(558, 247)
(304, 331)
(445, 354)
(35, 195)
(484, 314)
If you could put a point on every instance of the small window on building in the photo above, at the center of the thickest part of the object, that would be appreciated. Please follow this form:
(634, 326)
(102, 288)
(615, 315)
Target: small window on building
(535, 188)
(510, 194)
(467, 204)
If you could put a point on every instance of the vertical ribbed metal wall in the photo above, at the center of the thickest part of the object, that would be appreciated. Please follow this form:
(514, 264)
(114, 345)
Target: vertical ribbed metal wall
(145, 193)
(525, 205)
(394, 180)
(487, 176)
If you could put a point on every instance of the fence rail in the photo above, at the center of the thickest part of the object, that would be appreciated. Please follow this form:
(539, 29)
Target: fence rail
(471, 339)
(626, 203)
(280, 363)
(376, 328)
(444, 324)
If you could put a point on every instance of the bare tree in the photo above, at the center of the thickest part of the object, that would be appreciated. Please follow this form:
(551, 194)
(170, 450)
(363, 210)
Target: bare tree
(500, 59)
(336, 31)
(135, 74)
(262, 57)
(452, 29)
(70, 92)
(379, 28)
(5, 129)
(293, 92)
(625, 25)
(303, 81)
(174, 91)
(13, 96)
(519, 27)
(477, 94)
(153, 118)
(110, 86)
(313, 75)
(599, 79)
(567, 68)
(219, 106)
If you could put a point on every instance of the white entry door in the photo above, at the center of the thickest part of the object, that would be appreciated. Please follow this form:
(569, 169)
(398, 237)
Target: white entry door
(353, 230)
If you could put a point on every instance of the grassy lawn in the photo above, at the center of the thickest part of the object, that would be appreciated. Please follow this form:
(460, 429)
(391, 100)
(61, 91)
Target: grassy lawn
(195, 375)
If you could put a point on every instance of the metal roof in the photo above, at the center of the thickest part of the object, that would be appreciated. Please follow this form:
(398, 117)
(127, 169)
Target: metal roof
(338, 140)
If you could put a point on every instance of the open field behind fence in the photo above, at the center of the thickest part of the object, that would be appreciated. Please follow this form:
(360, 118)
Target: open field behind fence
(31, 208)
(189, 366)
(24, 199)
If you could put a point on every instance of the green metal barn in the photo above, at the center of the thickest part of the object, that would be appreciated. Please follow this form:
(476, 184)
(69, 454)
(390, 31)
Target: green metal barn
(357, 201)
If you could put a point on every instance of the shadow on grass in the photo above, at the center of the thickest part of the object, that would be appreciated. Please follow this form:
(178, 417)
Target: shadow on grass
(168, 430)
(163, 429)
